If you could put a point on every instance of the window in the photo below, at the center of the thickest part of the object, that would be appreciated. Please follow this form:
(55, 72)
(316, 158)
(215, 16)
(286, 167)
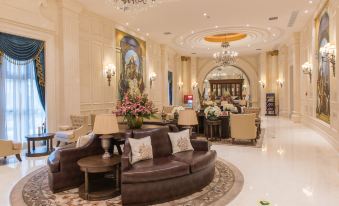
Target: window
(21, 109)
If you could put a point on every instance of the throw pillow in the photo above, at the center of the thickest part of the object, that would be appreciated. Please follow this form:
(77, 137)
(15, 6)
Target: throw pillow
(83, 140)
(181, 141)
(141, 149)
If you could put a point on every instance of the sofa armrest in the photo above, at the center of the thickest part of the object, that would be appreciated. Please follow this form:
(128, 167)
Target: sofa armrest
(200, 145)
(81, 131)
(53, 161)
(125, 157)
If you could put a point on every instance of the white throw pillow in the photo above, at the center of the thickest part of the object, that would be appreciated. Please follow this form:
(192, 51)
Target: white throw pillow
(83, 140)
(141, 149)
(181, 141)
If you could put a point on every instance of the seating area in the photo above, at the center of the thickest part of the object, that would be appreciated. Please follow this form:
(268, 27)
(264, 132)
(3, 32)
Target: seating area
(169, 102)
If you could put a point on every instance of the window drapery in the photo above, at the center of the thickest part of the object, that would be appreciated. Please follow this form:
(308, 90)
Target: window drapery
(21, 112)
(22, 51)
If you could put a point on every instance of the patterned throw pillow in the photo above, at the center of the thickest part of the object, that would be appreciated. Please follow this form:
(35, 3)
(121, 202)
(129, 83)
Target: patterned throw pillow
(141, 149)
(181, 141)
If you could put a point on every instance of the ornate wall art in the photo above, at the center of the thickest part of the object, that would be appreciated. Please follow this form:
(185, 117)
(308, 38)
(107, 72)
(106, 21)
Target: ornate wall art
(323, 82)
(131, 61)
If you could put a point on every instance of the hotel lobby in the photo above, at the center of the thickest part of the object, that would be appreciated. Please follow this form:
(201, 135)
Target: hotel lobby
(169, 102)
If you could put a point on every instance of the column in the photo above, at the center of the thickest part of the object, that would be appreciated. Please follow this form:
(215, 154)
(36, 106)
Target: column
(296, 112)
(262, 77)
(283, 75)
(69, 58)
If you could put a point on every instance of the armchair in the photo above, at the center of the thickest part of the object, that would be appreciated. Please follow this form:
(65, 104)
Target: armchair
(70, 134)
(243, 127)
(8, 147)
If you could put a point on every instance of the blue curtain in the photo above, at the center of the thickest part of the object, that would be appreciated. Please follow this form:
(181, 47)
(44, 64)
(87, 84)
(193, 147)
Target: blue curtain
(23, 51)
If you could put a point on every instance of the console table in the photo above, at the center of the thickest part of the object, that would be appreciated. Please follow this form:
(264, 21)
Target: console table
(48, 138)
(100, 187)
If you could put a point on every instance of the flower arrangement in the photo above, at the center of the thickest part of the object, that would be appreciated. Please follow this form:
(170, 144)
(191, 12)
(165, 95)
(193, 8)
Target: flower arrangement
(209, 103)
(135, 109)
(212, 112)
(229, 107)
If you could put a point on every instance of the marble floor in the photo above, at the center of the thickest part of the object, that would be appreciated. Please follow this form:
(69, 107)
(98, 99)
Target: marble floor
(295, 167)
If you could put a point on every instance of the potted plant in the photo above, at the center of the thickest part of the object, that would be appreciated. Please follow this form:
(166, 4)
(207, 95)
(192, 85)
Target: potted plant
(135, 109)
(212, 113)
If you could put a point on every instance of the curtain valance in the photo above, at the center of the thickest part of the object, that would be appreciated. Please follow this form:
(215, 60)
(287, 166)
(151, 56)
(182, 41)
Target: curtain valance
(22, 50)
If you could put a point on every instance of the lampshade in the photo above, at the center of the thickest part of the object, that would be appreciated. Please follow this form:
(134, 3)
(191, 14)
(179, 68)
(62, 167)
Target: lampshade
(187, 118)
(105, 124)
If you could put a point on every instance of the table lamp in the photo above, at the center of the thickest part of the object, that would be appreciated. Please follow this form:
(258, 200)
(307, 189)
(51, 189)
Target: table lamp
(105, 125)
(187, 119)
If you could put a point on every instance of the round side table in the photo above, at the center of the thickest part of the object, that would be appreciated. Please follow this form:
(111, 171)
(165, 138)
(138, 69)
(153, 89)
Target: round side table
(100, 188)
(48, 138)
(210, 128)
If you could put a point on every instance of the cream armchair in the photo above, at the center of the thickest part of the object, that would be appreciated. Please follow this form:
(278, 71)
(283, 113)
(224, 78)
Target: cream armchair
(8, 148)
(243, 127)
(70, 134)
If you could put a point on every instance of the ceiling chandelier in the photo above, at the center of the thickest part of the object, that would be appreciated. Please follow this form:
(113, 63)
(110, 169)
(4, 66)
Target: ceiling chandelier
(133, 5)
(225, 56)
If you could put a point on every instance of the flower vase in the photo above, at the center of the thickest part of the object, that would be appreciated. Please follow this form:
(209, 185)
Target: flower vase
(135, 122)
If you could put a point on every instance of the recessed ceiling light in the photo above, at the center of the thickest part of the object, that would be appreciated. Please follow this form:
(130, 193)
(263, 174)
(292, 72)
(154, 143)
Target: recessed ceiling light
(205, 14)
(310, 2)
(167, 33)
(274, 35)
(306, 11)
(247, 25)
(192, 32)
(216, 26)
(208, 48)
(269, 28)
(138, 29)
(147, 34)
(127, 23)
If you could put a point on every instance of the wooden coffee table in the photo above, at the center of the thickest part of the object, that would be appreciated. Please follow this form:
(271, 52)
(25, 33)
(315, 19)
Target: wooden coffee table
(37, 152)
(104, 187)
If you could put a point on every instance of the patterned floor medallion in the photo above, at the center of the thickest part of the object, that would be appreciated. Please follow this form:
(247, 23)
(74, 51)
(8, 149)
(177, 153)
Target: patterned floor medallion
(34, 190)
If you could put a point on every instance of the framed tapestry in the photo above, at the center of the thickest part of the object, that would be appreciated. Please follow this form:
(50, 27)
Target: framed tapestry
(322, 25)
(131, 60)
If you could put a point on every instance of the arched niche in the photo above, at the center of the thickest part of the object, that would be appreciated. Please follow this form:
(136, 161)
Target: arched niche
(244, 66)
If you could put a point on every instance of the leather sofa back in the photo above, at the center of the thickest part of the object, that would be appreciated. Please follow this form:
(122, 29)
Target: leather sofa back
(161, 143)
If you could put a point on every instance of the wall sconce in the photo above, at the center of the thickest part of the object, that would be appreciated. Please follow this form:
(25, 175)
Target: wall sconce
(307, 69)
(280, 82)
(110, 72)
(180, 84)
(328, 53)
(195, 85)
(262, 83)
(152, 78)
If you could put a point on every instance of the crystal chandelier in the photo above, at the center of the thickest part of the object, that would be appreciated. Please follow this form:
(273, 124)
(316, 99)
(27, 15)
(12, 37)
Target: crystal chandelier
(226, 56)
(133, 5)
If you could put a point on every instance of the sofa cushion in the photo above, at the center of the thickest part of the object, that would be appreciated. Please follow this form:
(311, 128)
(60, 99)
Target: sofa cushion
(155, 170)
(161, 143)
(141, 149)
(64, 134)
(180, 141)
(17, 146)
(197, 160)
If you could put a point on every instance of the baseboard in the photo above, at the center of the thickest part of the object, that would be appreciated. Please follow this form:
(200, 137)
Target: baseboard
(331, 135)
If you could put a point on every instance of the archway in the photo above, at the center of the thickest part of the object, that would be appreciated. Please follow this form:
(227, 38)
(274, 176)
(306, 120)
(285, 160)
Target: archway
(246, 67)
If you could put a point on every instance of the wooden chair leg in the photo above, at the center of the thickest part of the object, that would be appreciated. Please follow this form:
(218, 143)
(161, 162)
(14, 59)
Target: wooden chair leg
(58, 143)
(18, 157)
(119, 149)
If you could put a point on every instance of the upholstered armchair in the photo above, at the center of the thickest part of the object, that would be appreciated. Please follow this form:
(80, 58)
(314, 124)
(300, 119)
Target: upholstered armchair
(8, 148)
(70, 134)
(256, 111)
(243, 127)
(168, 111)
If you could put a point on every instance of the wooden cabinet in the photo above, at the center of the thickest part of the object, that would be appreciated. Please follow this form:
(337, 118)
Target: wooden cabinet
(233, 86)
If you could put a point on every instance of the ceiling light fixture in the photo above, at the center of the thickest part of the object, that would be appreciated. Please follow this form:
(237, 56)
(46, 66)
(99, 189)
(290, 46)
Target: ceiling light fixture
(133, 5)
(306, 11)
(226, 56)
(310, 2)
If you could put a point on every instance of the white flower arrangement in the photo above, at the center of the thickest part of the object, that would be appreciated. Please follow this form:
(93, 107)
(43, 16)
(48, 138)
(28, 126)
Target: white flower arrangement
(177, 109)
(212, 112)
(209, 103)
(229, 107)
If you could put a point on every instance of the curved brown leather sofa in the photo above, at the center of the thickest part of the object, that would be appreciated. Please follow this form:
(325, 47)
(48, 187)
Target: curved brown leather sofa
(166, 177)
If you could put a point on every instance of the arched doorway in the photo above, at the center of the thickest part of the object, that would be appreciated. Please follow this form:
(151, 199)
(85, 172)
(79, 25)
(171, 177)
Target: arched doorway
(224, 73)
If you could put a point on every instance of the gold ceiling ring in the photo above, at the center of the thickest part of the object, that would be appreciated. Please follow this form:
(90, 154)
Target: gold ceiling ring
(226, 37)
